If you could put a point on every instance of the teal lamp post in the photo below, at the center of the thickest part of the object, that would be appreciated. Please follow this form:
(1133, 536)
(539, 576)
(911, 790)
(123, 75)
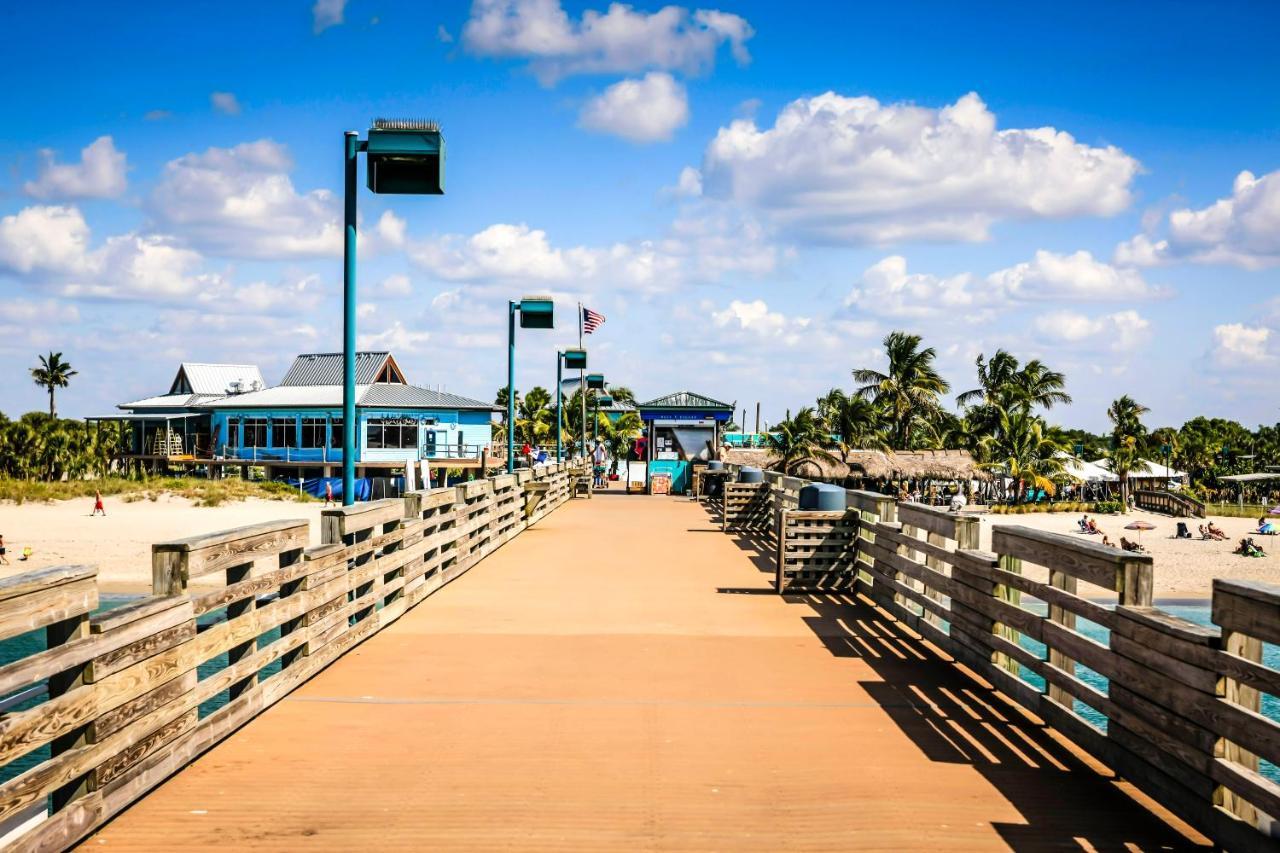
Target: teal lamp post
(536, 312)
(574, 359)
(405, 157)
(595, 382)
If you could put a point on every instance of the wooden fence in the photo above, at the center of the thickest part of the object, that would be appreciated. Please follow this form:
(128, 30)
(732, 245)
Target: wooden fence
(1172, 706)
(1169, 503)
(237, 620)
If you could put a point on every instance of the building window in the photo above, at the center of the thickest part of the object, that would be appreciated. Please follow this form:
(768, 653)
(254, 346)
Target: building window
(255, 432)
(233, 432)
(313, 430)
(284, 432)
(393, 433)
(335, 440)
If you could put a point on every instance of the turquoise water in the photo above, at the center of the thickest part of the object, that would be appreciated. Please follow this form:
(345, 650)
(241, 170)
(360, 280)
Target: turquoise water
(1197, 613)
(32, 642)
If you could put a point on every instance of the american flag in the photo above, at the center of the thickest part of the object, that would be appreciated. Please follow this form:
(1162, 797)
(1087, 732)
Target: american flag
(591, 320)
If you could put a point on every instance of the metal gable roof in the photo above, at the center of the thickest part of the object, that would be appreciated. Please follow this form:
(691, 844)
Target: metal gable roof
(170, 401)
(214, 380)
(381, 394)
(325, 368)
(685, 400)
(394, 394)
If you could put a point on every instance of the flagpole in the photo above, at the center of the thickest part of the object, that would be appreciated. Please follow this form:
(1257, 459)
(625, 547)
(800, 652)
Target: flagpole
(582, 385)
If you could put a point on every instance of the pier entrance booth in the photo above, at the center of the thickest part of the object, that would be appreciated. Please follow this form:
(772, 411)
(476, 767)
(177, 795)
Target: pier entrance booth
(680, 428)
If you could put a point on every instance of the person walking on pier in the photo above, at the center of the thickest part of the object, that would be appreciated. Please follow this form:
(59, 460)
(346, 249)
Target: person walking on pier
(328, 492)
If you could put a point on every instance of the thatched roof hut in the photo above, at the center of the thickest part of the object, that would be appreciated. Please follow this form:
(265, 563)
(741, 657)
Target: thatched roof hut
(877, 465)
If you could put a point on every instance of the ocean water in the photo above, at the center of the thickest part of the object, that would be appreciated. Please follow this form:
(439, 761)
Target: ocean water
(1197, 613)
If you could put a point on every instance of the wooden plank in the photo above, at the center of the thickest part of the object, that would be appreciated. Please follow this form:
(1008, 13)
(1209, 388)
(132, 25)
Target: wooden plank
(929, 518)
(127, 655)
(1249, 607)
(1088, 561)
(41, 580)
(175, 563)
(44, 606)
(127, 614)
(344, 521)
(75, 653)
(108, 723)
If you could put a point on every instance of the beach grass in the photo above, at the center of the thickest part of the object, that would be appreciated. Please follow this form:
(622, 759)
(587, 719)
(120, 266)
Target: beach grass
(201, 492)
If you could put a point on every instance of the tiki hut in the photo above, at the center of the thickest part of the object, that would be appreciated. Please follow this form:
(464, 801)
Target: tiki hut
(877, 469)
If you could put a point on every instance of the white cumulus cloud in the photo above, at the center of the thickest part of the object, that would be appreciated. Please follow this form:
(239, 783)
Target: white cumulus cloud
(240, 202)
(620, 40)
(1078, 276)
(650, 109)
(887, 289)
(1243, 230)
(99, 174)
(839, 169)
(1121, 331)
(1236, 345)
(697, 248)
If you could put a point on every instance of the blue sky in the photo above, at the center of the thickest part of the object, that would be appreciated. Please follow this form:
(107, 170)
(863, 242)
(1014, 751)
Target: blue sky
(753, 194)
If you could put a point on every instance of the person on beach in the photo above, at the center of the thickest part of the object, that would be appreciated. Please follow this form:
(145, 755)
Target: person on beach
(4, 561)
(1215, 532)
(328, 492)
(98, 508)
(1265, 527)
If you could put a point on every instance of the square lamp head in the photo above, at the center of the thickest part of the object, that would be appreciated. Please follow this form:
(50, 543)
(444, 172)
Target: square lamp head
(406, 157)
(604, 400)
(575, 359)
(537, 312)
(595, 381)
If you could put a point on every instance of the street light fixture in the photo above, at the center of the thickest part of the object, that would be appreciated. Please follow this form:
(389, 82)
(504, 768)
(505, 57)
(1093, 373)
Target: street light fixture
(536, 312)
(406, 157)
(574, 359)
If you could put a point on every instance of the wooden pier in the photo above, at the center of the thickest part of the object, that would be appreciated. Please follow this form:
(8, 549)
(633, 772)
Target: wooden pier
(625, 674)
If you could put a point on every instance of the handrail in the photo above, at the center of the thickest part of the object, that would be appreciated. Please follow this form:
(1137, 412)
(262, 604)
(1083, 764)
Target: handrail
(129, 688)
(1181, 702)
(1177, 505)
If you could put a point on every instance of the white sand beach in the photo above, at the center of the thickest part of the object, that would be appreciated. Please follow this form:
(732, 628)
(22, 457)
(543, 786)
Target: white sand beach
(1184, 568)
(64, 533)
(119, 545)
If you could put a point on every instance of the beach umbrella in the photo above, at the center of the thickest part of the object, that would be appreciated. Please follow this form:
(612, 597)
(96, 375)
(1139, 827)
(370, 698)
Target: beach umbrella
(1275, 510)
(1139, 526)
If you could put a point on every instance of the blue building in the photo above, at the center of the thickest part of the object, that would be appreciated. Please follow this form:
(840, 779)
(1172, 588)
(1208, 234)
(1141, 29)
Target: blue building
(226, 416)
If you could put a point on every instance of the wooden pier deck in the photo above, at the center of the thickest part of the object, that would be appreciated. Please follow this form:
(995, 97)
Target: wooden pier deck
(622, 676)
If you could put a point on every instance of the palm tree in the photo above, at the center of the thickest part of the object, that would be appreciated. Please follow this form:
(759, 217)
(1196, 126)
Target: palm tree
(1020, 449)
(53, 373)
(1127, 433)
(853, 419)
(617, 435)
(994, 378)
(533, 416)
(908, 392)
(799, 441)
(1036, 385)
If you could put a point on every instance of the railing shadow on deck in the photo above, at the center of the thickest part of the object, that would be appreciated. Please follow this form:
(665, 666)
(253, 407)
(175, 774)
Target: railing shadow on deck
(953, 719)
(957, 714)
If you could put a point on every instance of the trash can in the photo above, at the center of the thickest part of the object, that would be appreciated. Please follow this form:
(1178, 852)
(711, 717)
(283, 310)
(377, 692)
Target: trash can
(750, 475)
(823, 497)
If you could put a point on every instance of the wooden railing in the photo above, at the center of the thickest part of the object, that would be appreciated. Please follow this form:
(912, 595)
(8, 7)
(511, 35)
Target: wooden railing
(1172, 706)
(1170, 503)
(238, 619)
